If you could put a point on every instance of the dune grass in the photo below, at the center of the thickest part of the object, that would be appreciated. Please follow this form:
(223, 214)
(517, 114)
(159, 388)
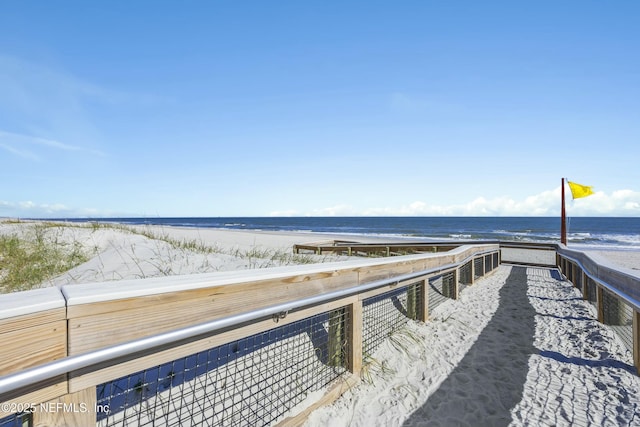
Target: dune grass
(39, 252)
(257, 257)
(28, 259)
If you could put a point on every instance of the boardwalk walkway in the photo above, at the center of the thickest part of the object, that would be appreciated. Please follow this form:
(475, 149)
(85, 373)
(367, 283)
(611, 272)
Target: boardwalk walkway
(520, 347)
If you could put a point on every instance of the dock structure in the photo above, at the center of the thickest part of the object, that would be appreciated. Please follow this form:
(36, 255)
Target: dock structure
(354, 248)
(247, 347)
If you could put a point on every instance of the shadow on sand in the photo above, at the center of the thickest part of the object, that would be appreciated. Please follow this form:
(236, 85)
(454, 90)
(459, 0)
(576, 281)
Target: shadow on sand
(490, 378)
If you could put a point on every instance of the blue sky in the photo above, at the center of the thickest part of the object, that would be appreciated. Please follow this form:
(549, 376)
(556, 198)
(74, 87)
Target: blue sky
(258, 108)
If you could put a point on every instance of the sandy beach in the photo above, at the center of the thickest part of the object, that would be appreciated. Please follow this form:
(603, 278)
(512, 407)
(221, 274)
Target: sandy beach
(117, 252)
(526, 353)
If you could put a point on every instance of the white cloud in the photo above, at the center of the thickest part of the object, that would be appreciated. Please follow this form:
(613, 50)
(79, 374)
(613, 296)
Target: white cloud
(30, 209)
(546, 203)
(621, 202)
(338, 210)
(47, 105)
(290, 212)
(20, 153)
(10, 140)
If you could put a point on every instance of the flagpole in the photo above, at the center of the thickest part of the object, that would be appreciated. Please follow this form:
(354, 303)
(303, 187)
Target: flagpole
(563, 219)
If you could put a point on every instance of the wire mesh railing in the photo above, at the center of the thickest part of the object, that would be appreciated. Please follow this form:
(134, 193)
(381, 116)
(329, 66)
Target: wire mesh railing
(387, 313)
(618, 315)
(464, 276)
(440, 289)
(478, 267)
(617, 306)
(591, 292)
(577, 279)
(571, 271)
(20, 419)
(258, 379)
(248, 382)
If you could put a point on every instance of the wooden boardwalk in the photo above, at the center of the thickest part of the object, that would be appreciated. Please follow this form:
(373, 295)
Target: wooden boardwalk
(354, 248)
(519, 348)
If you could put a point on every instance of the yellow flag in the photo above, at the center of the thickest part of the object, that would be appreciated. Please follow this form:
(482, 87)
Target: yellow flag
(579, 190)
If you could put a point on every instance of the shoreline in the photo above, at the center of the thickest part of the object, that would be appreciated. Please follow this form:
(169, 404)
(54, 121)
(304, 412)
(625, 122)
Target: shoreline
(584, 233)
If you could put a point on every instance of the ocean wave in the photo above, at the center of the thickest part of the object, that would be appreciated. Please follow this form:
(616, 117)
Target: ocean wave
(592, 232)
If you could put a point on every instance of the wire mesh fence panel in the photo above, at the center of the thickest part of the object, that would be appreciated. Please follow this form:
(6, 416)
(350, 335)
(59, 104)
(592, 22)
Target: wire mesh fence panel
(496, 260)
(465, 273)
(249, 382)
(464, 276)
(570, 271)
(478, 270)
(591, 291)
(618, 315)
(21, 419)
(449, 284)
(487, 264)
(577, 279)
(566, 268)
(441, 288)
(387, 313)
(414, 300)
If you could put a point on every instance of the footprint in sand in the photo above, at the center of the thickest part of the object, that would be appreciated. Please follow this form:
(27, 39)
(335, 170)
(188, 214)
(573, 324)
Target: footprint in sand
(601, 386)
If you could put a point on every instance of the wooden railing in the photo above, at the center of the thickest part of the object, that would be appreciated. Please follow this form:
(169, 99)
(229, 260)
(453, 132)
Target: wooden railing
(67, 332)
(352, 248)
(613, 291)
(58, 345)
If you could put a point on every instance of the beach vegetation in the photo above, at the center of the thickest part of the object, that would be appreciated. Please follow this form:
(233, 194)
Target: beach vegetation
(404, 340)
(28, 259)
(257, 257)
(38, 251)
(372, 368)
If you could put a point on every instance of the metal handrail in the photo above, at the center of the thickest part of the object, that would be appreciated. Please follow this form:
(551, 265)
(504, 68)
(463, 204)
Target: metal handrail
(52, 369)
(629, 299)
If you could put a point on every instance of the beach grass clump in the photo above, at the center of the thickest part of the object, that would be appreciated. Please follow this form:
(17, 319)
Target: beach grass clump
(256, 257)
(373, 368)
(29, 259)
(404, 340)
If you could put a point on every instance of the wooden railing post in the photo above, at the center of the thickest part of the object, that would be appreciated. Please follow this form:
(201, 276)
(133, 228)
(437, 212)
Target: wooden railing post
(585, 288)
(70, 410)
(424, 301)
(336, 336)
(636, 340)
(600, 303)
(473, 271)
(354, 336)
(455, 284)
(412, 301)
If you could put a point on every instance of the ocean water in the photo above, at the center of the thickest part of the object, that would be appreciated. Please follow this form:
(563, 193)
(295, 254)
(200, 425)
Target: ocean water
(583, 232)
